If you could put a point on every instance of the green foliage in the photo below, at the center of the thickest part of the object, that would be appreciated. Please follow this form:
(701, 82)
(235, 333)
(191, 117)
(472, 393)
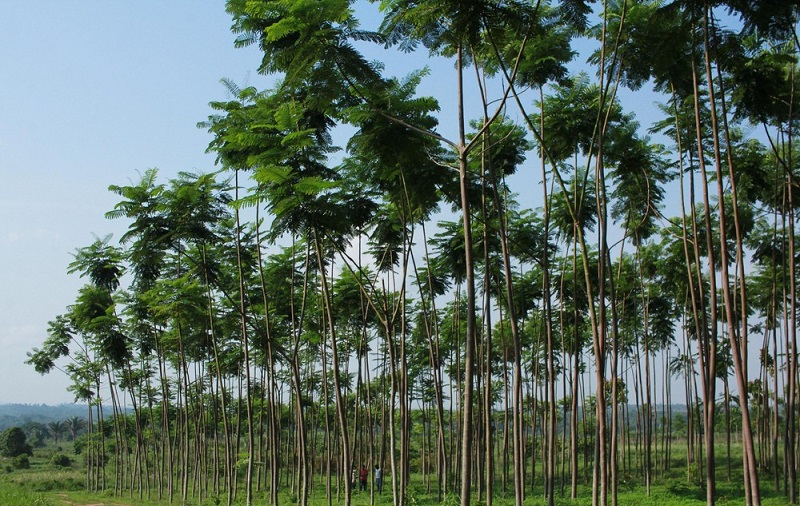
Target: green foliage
(201, 290)
(37, 433)
(21, 461)
(46, 486)
(80, 444)
(13, 442)
(15, 495)
(61, 460)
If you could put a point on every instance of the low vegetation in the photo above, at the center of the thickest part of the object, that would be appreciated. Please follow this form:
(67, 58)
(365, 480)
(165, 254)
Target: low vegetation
(44, 485)
(57, 476)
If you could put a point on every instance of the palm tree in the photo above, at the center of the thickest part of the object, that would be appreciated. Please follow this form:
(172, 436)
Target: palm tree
(75, 425)
(56, 430)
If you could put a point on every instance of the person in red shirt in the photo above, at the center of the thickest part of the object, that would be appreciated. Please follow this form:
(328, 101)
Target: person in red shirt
(362, 478)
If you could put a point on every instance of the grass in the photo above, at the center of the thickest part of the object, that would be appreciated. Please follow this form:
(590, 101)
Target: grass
(11, 495)
(46, 485)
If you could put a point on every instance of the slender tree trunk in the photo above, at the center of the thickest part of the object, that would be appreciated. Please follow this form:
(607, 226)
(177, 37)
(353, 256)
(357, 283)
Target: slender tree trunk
(738, 350)
(246, 348)
(436, 371)
(272, 410)
(469, 344)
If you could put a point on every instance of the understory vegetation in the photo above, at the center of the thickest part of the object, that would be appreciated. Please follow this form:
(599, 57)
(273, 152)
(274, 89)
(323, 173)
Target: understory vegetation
(47, 485)
(500, 292)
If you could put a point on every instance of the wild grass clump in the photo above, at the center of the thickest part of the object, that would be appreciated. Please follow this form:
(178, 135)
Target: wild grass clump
(13, 495)
(48, 481)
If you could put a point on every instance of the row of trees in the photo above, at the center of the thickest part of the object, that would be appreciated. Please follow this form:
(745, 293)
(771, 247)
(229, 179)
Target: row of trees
(58, 430)
(33, 434)
(299, 313)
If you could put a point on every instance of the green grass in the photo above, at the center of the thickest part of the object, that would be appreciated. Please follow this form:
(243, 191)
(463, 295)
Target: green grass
(43, 477)
(46, 485)
(15, 495)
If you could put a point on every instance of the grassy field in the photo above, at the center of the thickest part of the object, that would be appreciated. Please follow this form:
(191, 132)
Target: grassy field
(44, 484)
(16, 493)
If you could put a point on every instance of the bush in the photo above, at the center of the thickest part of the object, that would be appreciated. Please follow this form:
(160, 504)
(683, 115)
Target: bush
(13, 443)
(79, 444)
(21, 461)
(61, 460)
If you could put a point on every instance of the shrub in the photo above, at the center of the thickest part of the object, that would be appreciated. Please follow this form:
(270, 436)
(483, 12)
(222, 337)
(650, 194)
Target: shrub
(21, 461)
(13, 443)
(61, 460)
(80, 443)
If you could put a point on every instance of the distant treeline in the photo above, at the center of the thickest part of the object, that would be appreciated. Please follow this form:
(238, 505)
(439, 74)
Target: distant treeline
(16, 415)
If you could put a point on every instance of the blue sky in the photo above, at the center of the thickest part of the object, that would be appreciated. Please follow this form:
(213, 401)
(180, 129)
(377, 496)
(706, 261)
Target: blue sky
(91, 93)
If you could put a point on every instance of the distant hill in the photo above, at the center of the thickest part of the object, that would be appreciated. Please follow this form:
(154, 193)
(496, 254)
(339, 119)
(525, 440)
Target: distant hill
(15, 415)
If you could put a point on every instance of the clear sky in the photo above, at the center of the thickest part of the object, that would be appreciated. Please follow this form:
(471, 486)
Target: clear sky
(93, 93)
(90, 93)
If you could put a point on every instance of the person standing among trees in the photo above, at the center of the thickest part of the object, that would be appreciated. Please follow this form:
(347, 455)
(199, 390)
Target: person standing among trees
(378, 478)
(362, 478)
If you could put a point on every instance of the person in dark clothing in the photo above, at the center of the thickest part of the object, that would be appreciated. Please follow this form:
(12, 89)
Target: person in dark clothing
(362, 478)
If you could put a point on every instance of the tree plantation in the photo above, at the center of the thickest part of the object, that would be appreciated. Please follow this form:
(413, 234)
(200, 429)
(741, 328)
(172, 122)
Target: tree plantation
(502, 291)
